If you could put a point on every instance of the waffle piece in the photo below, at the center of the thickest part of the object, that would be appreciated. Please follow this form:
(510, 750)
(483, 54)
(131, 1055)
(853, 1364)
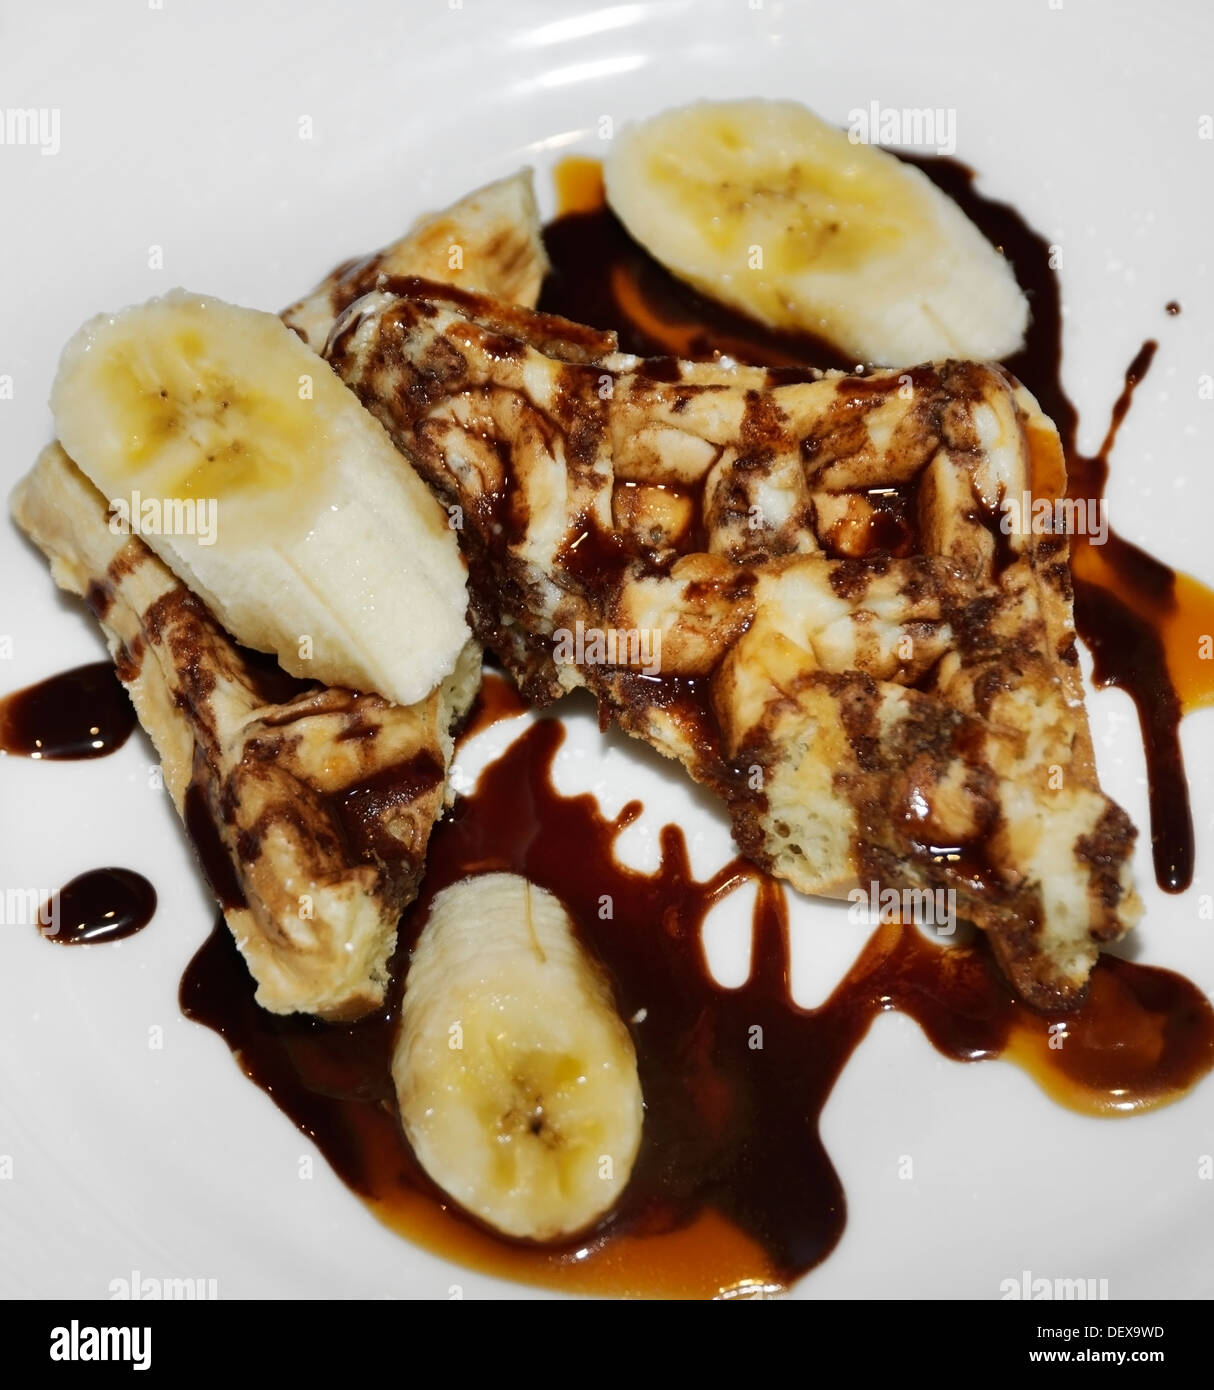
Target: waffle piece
(489, 241)
(880, 683)
(311, 806)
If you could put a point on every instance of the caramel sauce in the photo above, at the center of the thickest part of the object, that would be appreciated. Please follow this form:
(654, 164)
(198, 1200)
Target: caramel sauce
(1143, 622)
(81, 713)
(578, 180)
(733, 1191)
(100, 906)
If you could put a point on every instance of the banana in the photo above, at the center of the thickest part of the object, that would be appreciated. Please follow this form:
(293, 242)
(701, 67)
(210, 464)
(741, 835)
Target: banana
(766, 208)
(259, 479)
(516, 1078)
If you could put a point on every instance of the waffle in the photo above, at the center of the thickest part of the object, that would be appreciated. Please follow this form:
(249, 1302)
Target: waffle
(881, 685)
(489, 241)
(311, 807)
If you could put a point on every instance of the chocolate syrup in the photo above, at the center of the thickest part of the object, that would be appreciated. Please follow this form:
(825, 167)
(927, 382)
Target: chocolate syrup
(99, 906)
(216, 862)
(732, 1190)
(602, 277)
(497, 699)
(81, 713)
(1141, 620)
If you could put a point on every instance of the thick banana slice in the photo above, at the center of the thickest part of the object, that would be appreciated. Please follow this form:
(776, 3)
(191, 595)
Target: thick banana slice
(767, 208)
(257, 477)
(516, 1078)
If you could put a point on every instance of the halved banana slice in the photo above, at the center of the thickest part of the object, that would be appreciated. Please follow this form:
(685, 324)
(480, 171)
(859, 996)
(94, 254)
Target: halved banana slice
(259, 479)
(516, 1078)
(765, 207)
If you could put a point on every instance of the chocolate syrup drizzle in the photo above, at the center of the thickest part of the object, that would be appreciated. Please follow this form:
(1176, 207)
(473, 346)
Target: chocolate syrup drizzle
(1123, 596)
(81, 713)
(733, 1189)
(1141, 621)
(99, 906)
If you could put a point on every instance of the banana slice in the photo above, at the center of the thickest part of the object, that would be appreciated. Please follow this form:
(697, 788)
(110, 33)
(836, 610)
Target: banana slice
(259, 479)
(765, 207)
(516, 1078)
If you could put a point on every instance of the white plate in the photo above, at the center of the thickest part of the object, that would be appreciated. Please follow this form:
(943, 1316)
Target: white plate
(180, 128)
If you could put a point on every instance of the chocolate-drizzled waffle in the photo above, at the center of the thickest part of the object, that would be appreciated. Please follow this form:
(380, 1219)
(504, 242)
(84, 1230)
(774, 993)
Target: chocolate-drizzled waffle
(876, 673)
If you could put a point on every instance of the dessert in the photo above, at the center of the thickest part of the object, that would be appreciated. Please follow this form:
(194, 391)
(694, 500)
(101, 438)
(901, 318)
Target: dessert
(794, 582)
(310, 806)
(879, 681)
